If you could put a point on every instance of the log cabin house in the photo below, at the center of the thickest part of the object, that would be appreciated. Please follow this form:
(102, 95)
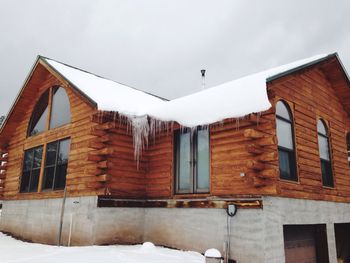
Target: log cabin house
(117, 165)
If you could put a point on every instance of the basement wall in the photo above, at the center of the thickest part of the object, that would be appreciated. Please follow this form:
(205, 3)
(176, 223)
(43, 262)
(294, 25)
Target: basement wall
(256, 234)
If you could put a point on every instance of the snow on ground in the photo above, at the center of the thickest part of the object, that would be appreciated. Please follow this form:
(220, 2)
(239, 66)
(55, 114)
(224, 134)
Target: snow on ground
(15, 251)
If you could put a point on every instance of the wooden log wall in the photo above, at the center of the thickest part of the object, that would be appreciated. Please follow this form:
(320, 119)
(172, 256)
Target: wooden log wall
(3, 168)
(81, 179)
(311, 96)
(116, 166)
(243, 157)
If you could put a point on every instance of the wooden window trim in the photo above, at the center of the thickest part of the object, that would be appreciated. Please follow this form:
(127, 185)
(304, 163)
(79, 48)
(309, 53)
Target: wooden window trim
(31, 169)
(42, 168)
(58, 148)
(290, 110)
(49, 113)
(330, 152)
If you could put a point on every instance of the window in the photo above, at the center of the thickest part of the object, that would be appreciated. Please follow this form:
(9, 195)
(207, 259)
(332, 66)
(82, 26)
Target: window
(55, 168)
(56, 165)
(52, 105)
(324, 151)
(192, 161)
(31, 169)
(348, 146)
(286, 146)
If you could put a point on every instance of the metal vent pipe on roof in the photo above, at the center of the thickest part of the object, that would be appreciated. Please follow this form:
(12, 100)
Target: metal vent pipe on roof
(203, 78)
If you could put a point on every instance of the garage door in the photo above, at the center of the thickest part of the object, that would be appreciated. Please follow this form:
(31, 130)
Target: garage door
(305, 244)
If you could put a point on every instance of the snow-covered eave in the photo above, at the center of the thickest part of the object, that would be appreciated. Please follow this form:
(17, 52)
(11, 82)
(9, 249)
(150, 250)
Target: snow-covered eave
(88, 98)
(308, 65)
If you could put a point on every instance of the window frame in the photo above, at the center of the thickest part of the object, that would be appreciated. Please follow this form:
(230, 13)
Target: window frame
(43, 166)
(47, 127)
(31, 169)
(193, 189)
(292, 153)
(330, 161)
(55, 165)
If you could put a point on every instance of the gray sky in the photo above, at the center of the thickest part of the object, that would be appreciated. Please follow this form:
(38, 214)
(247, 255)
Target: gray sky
(160, 46)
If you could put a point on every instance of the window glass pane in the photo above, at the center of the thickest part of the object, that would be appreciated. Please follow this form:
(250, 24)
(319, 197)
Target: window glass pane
(284, 134)
(60, 177)
(323, 147)
(64, 151)
(287, 165)
(25, 181)
(34, 180)
(184, 180)
(48, 177)
(37, 157)
(60, 112)
(39, 116)
(327, 176)
(282, 111)
(203, 159)
(321, 128)
(28, 160)
(51, 153)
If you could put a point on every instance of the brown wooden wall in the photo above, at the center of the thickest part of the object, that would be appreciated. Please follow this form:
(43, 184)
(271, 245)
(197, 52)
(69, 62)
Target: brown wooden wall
(311, 96)
(244, 158)
(81, 179)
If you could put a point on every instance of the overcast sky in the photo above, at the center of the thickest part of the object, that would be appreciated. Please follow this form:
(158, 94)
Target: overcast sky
(160, 46)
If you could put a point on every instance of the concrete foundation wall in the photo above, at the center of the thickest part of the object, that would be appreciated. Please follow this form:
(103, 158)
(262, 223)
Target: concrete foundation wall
(256, 234)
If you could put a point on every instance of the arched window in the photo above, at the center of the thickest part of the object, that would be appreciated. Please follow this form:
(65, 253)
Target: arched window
(60, 113)
(348, 146)
(286, 146)
(52, 105)
(325, 157)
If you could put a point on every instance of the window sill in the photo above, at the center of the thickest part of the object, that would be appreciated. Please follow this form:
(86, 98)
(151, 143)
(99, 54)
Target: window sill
(289, 181)
(328, 187)
(191, 195)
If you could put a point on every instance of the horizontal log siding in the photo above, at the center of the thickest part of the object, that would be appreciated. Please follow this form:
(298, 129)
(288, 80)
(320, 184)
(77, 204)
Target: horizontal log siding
(311, 97)
(80, 179)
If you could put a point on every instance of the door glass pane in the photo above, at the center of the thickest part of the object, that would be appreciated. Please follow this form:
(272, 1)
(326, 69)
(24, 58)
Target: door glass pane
(184, 161)
(60, 114)
(323, 147)
(284, 134)
(39, 116)
(203, 159)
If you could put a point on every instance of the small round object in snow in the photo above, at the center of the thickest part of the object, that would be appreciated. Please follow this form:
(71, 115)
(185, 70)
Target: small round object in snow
(148, 246)
(212, 253)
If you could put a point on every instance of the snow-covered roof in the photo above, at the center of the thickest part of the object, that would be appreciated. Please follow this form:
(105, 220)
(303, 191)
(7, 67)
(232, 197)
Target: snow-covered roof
(109, 95)
(229, 100)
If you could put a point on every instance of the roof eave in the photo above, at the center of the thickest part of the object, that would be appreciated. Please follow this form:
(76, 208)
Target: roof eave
(305, 66)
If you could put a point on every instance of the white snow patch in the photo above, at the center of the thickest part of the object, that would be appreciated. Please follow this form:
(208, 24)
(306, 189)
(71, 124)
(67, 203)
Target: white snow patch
(212, 253)
(109, 95)
(148, 246)
(14, 251)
